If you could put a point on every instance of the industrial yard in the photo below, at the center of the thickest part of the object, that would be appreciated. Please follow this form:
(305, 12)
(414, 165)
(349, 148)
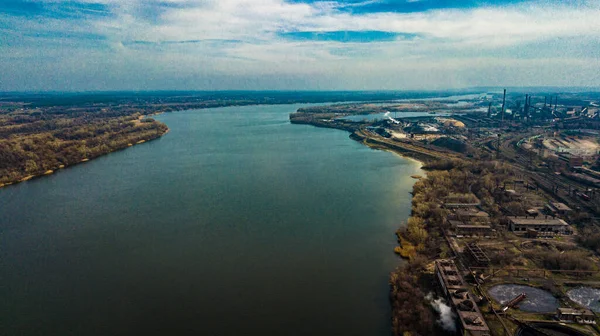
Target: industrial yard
(506, 223)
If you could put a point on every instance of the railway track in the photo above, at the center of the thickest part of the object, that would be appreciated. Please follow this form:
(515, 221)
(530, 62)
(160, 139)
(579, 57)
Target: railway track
(557, 185)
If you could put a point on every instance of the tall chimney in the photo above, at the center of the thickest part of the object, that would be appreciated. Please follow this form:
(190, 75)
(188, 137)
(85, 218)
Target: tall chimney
(490, 110)
(527, 106)
(503, 103)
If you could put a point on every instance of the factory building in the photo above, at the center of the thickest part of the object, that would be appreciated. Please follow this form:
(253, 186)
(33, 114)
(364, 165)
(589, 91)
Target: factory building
(547, 226)
(469, 221)
(581, 316)
(558, 208)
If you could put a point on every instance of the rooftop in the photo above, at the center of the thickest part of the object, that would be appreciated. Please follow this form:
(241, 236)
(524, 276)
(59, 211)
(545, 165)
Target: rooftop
(538, 221)
(559, 206)
(471, 226)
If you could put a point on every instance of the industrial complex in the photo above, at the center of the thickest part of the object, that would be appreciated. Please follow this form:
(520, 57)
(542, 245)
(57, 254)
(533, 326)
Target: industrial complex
(513, 196)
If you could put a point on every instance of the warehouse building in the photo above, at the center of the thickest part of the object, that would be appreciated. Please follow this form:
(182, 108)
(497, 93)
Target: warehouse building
(547, 226)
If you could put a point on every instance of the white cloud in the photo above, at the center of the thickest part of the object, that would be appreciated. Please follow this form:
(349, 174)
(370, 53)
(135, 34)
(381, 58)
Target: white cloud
(452, 45)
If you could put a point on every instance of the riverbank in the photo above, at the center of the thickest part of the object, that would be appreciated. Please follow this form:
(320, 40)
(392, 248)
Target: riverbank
(450, 176)
(358, 132)
(51, 170)
(409, 284)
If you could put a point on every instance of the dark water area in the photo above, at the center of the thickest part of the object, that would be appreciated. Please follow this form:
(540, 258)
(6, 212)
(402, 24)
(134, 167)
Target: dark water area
(234, 223)
(537, 300)
(586, 296)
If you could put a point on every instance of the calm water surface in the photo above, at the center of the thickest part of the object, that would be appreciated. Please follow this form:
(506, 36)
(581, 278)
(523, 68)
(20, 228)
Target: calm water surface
(234, 223)
(537, 300)
(586, 296)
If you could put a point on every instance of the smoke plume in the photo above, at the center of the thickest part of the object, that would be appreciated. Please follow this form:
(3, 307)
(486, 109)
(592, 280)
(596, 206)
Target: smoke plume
(447, 317)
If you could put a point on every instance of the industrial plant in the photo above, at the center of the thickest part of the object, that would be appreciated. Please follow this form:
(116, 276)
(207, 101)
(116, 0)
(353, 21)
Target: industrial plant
(511, 199)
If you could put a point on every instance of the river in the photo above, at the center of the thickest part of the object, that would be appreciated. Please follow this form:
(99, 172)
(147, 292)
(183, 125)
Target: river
(234, 223)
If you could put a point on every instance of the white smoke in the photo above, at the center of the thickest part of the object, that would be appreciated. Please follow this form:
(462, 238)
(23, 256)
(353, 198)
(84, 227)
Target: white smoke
(447, 317)
(387, 115)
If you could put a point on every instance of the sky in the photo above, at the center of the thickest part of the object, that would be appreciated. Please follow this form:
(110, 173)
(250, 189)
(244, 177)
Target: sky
(108, 45)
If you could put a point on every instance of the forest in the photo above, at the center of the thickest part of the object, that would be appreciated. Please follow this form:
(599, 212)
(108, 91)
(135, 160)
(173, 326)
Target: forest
(37, 141)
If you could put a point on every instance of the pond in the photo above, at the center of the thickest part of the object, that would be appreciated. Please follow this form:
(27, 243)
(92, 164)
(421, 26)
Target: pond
(586, 296)
(537, 301)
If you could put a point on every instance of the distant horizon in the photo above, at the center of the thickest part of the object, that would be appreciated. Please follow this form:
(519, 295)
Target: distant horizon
(534, 89)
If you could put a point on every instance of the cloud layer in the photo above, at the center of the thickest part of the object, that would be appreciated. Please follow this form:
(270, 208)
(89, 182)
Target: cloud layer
(278, 44)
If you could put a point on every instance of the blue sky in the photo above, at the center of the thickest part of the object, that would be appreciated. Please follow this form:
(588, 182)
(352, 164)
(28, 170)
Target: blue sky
(84, 45)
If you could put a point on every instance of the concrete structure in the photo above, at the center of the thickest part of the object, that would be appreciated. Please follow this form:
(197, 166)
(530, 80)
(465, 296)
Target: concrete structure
(471, 321)
(558, 208)
(477, 230)
(477, 255)
(469, 221)
(571, 160)
(468, 213)
(512, 194)
(582, 316)
(546, 226)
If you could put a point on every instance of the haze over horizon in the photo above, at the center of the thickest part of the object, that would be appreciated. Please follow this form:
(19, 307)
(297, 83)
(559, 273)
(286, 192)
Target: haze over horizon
(87, 45)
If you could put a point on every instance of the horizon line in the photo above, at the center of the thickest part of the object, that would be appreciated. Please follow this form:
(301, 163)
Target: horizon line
(592, 88)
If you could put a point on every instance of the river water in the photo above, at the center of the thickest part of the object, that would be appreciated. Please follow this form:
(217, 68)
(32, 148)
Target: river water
(234, 223)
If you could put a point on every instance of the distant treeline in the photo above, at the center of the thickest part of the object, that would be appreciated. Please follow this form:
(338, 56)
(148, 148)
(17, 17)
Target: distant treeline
(214, 98)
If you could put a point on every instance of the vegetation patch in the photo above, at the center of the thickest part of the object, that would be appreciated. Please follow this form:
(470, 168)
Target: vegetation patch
(37, 142)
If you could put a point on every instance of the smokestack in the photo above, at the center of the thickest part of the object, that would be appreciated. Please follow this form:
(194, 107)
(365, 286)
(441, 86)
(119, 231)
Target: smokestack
(503, 103)
(545, 99)
(527, 106)
(490, 110)
(555, 103)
